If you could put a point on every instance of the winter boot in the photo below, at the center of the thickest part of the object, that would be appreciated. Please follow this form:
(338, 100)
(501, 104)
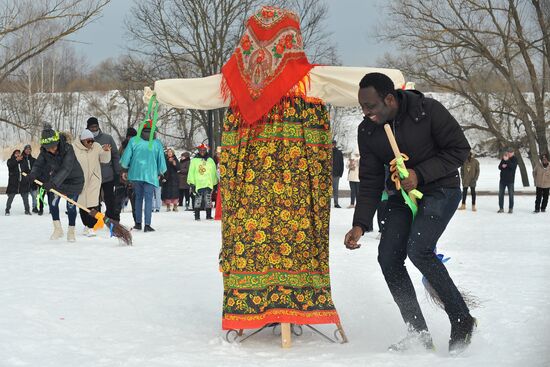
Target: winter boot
(197, 214)
(209, 213)
(27, 212)
(7, 212)
(34, 210)
(500, 210)
(461, 334)
(175, 208)
(510, 211)
(57, 230)
(168, 207)
(70, 234)
(148, 228)
(474, 209)
(137, 226)
(414, 340)
(462, 207)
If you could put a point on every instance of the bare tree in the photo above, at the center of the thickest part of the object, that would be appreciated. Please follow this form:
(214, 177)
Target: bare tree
(484, 50)
(29, 27)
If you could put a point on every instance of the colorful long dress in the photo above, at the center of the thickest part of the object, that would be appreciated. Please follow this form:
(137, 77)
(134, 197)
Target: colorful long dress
(275, 181)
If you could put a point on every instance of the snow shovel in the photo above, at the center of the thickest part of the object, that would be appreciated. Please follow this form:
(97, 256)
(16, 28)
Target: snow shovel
(117, 229)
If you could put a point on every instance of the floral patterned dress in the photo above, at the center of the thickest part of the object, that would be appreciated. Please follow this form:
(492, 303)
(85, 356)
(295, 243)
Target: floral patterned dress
(275, 182)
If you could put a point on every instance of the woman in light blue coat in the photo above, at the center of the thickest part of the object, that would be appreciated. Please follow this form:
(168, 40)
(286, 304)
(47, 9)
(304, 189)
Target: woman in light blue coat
(143, 161)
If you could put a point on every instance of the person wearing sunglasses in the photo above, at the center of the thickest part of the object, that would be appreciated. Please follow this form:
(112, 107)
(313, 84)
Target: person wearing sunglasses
(90, 154)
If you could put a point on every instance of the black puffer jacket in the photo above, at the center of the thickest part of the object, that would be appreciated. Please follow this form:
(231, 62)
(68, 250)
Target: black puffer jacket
(508, 170)
(62, 168)
(427, 133)
(16, 183)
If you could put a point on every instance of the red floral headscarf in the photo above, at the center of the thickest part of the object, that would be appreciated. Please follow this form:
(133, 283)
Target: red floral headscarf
(266, 64)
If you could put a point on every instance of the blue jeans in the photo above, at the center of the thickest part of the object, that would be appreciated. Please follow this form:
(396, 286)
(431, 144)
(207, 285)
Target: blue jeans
(157, 201)
(53, 202)
(354, 188)
(401, 237)
(143, 190)
(501, 188)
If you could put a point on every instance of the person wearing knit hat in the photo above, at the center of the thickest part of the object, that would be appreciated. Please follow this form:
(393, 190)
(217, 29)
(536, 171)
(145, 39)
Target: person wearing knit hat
(110, 172)
(59, 169)
(90, 155)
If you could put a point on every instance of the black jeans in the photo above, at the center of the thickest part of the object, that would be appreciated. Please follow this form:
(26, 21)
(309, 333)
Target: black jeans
(401, 237)
(87, 218)
(354, 190)
(24, 196)
(502, 187)
(465, 194)
(542, 195)
(111, 210)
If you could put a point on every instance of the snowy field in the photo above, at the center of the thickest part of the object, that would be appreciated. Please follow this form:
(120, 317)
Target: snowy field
(95, 303)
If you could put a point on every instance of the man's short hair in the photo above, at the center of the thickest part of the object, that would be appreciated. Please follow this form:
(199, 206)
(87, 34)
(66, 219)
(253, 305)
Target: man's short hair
(381, 83)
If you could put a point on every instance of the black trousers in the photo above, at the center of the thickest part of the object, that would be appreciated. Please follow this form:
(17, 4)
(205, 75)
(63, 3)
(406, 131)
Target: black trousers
(87, 219)
(24, 196)
(542, 195)
(111, 210)
(184, 193)
(401, 237)
(465, 194)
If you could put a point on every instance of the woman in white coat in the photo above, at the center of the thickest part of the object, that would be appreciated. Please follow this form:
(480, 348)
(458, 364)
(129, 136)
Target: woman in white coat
(353, 176)
(90, 154)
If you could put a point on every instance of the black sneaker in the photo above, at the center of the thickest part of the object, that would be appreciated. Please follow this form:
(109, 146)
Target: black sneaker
(543, 210)
(7, 212)
(40, 212)
(414, 340)
(337, 206)
(536, 211)
(34, 210)
(27, 212)
(148, 228)
(137, 226)
(461, 335)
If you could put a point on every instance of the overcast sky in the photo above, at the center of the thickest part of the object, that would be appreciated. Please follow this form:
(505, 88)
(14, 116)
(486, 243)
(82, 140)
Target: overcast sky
(351, 22)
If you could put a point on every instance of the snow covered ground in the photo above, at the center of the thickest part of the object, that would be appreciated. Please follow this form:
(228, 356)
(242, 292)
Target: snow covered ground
(158, 303)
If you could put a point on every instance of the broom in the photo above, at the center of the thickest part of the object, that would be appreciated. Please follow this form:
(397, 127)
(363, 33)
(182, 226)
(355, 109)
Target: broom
(117, 229)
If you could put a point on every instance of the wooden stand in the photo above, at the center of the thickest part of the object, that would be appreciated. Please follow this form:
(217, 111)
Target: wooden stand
(287, 330)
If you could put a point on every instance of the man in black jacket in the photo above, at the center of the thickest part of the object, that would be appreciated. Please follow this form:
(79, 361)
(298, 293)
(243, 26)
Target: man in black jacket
(507, 167)
(337, 171)
(436, 146)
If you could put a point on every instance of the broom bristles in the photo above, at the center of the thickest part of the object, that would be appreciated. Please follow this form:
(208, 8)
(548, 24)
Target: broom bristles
(471, 300)
(118, 230)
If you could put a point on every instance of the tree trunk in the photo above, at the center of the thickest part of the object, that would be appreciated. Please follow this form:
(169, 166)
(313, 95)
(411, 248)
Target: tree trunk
(522, 169)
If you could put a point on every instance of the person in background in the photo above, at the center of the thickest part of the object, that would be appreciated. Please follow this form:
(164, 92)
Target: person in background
(27, 163)
(541, 175)
(157, 196)
(143, 162)
(353, 177)
(59, 169)
(124, 192)
(469, 173)
(110, 172)
(507, 167)
(337, 171)
(17, 183)
(90, 155)
(183, 185)
(170, 183)
(202, 178)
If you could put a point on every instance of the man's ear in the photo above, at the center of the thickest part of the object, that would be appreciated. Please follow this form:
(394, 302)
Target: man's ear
(390, 100)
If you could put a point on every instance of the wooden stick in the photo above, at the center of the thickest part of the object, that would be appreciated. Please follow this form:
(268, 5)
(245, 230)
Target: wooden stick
(286, 338)
(342, 333)
(61, 195)
(393, 142)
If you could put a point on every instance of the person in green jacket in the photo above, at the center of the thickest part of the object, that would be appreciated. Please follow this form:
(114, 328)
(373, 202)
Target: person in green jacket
(143, 161)
(202, 178)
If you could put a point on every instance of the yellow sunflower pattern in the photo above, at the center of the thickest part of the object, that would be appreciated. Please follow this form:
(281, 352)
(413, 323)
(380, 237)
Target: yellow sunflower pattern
(276, 184)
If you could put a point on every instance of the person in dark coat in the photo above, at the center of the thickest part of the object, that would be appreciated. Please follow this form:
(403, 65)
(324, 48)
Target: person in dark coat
(59, 169)
(110, 172)
(337, 171)
(507, 167)
(170, 183)
(469, 173)
(437, 147)
(17, 184)
(124, 191)
(184, 188)
(28, 162)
